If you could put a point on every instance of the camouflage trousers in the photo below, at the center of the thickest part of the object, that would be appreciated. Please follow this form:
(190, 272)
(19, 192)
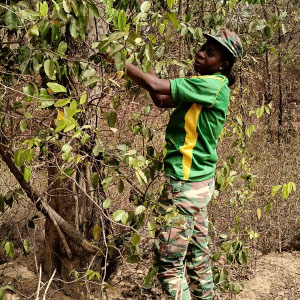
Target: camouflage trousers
(180, 247)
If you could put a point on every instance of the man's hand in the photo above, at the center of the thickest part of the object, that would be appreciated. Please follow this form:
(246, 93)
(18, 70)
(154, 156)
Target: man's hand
(159, 89)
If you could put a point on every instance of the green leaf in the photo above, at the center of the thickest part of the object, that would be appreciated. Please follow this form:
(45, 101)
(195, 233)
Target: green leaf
(46, 103)
(223, 276)
(19, 157)
(146, 65)
(275, 189)
(27, 174)
(62, 102)
(161, 28)
(142, 175)
(67, 7)
(145, 6)
(10, 288)
(28, 90)
(34, 30)
(49, 69)
(259, 213)
(184, 30)
(173, 19)
(74, 28)
(62, 48)
(106, 182)
(226, 246)
(97, 231)
(139, 210)
(26, 246)
(107, 203)
(149, 52)
(29, 14)
(71, 125)
(92, 80)
(93, 10)
(29, 154)
(11, 20)
(61, 124)
(103, 46)
(71, 110)
(115, 50)
(293, 185)
(120, 61)
(149, 276)
(238, 288)
(56, 88)
(135, 239)
(89, 73)
(85, 138)
(67, 151)
(74, 5)
(118, 215)
(82, 99)
(122, 20)
(1, 293)
(9, 249)
(151, 228)
(125, 218)
(43, 9)
(23, 125)
(243, 257)
(216, 256)
(36, 66)
(112, 118)
(115, 36)
(54, 32)
(170, 3)
(45, 30)
(95, 179)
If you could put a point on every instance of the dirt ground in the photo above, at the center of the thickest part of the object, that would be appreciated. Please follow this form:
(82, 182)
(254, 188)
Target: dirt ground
(275, 277)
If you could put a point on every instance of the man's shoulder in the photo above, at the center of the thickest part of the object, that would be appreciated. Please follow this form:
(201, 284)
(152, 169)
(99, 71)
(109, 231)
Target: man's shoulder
(218, 77)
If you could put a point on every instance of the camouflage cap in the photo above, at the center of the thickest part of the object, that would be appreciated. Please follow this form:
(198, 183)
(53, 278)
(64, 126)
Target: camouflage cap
(229, 40)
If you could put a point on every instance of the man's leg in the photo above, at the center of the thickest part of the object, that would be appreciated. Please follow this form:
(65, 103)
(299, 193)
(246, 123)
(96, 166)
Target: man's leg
(198, 264)
(170, 246)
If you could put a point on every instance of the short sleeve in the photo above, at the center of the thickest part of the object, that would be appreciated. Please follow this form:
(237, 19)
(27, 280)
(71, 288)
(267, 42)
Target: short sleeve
(202, 90)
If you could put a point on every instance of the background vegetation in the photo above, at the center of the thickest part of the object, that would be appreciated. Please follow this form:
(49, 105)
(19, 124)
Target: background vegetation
(82, 147)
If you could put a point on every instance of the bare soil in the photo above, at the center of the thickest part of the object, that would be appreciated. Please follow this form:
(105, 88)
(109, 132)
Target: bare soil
(276, 277)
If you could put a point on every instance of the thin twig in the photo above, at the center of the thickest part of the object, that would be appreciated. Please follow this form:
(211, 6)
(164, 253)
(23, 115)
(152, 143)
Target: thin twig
(48, 285)
(39, 284)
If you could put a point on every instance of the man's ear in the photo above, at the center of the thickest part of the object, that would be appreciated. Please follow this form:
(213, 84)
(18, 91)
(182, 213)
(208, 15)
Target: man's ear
(225, 65)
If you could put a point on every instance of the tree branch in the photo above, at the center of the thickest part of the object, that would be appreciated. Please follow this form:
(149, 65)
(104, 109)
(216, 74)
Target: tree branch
(44, 207)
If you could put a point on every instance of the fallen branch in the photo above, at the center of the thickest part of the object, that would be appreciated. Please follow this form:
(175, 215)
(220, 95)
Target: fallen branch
(44, 207)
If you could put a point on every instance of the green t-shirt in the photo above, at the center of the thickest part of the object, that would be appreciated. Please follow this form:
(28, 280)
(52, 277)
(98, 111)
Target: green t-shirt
(195, 125)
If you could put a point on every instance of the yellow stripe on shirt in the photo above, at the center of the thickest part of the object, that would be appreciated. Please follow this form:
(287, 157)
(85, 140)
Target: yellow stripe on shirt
(190, 127)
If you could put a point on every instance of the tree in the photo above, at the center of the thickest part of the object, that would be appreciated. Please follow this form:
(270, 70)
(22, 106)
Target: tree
(65, 109)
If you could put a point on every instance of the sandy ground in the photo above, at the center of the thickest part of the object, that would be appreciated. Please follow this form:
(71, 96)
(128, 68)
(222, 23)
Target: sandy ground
(276, 277)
